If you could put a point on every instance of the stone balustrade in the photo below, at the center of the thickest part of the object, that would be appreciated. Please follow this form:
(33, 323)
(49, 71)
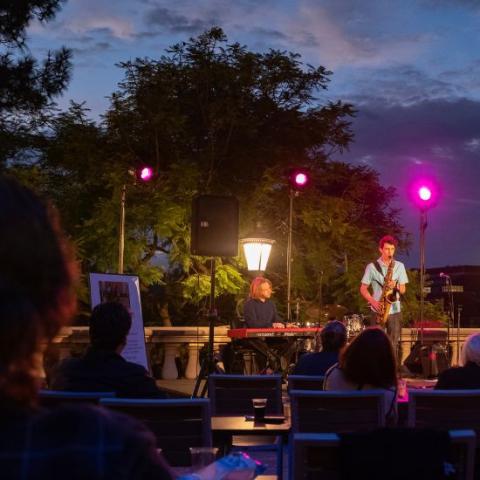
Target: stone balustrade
(166, 345)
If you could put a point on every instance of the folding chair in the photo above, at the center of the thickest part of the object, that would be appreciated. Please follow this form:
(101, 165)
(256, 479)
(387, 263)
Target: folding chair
(317, 456)
(305, 382)
(177, 424)
(336, 411)
(452, 409)
(444, 408)
(231, 395)
(54, 398)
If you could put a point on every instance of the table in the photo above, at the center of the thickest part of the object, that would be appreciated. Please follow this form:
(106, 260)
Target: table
(224, 428)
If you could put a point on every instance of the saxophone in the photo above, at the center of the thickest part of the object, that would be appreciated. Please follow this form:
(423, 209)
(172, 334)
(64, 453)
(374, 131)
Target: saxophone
(389, 295)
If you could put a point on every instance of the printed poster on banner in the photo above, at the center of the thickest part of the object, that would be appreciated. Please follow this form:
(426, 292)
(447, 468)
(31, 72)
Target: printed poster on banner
(124, 289)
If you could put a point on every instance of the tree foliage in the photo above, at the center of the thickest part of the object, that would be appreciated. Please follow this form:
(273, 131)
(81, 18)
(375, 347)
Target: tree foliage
(27, 86)
(215, 117)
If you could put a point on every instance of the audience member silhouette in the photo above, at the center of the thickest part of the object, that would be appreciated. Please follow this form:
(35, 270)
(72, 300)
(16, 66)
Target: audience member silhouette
(333, 338)
(37, 283)
(467, 376)
(368, 362)
(102, 368)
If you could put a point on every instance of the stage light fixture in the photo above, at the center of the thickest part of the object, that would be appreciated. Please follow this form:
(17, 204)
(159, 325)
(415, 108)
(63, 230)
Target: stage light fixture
(298, 178)
(145, 173)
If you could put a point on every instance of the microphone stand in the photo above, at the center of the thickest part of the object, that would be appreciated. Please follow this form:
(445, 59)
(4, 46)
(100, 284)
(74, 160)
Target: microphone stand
(459, 311)
(451, 315)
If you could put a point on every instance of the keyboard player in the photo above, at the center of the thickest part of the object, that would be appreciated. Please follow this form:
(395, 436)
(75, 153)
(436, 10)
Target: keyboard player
(260, 312)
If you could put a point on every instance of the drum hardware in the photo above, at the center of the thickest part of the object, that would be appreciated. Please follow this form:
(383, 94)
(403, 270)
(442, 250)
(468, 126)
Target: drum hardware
(354, 324)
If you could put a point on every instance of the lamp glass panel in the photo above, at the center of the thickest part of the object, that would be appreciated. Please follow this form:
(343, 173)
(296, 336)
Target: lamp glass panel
(257, 255)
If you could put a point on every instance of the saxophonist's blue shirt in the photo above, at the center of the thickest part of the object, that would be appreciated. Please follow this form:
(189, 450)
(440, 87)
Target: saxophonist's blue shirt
(372, 277)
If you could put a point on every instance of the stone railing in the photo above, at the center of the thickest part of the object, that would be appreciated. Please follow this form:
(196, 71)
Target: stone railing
(166, 345)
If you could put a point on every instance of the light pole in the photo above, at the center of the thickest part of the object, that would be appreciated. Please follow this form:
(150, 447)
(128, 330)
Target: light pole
(424, 198)
(423, 226)
(121, 228)
(298, 179)
(145, 174)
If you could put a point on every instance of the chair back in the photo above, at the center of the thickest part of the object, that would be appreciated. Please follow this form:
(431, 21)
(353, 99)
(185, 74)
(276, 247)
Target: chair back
(54, 398)
(232, 394)
(177, 424)
(318, 456)
(336, 411)
(453, 409)
(305, 382)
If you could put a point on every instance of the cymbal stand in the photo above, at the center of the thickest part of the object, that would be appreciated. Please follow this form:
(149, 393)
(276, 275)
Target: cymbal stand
(459, 312)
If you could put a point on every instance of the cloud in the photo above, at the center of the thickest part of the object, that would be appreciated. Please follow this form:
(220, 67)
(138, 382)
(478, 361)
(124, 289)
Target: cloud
(92, 49)
(472, 145)
(177, 23)
(116, 27)
(402, 85)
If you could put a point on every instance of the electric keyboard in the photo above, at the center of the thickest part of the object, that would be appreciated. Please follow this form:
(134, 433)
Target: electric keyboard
(273, 332)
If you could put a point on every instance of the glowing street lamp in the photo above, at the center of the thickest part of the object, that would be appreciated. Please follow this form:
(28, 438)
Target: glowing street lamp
(144, 173)
(257, 252)
(257, 248)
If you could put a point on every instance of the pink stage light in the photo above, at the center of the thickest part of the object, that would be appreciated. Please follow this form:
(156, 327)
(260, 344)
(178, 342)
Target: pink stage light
(301, 179)
(424, 193)
(298, 178)
(146, 174)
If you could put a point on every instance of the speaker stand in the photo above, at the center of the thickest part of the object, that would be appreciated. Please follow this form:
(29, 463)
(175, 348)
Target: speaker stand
(208, 363)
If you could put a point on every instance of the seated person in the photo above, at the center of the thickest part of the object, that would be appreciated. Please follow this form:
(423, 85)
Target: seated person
(367, 363)
(259, 311)
(333, 337)
(37, 285)
(102, 368)
(466, 376)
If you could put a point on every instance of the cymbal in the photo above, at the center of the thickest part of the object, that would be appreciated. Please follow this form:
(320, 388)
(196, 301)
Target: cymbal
(324, 313)
(335, 309)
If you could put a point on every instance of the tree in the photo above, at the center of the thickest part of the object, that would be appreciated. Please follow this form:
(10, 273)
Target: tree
(27, 88)
(224, 115)
(228, 111)
(214, 117)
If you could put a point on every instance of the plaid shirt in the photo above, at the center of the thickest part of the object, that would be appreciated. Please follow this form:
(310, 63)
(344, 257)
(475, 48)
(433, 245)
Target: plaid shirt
(71, 443)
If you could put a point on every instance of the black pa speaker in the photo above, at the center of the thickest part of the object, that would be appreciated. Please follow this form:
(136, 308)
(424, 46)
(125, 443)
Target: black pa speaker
(214, 226)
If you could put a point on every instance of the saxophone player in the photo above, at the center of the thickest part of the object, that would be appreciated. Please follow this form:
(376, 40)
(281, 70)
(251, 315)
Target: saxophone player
(387, 278)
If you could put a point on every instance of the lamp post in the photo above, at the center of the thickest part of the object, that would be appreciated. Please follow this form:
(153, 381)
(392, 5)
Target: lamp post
(145, 174)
